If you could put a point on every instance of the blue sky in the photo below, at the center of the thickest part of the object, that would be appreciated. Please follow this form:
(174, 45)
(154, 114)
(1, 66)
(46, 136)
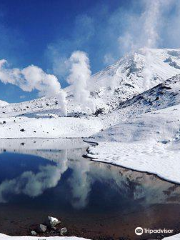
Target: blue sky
(46, 32)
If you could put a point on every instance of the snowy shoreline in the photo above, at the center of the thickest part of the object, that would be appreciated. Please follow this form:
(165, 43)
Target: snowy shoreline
(129, 168)
(107, 153)
(148, 143)
(6, 237)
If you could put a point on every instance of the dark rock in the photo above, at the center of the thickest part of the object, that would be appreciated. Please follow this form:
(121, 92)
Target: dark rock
(99, 111)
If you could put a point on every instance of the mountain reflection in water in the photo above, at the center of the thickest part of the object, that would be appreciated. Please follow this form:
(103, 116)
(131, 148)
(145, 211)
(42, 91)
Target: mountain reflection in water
(60, 180)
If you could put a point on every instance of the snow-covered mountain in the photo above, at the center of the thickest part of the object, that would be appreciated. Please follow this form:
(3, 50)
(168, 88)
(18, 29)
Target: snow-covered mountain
(138, 83)
(163, 95)
(134, 74)
(130, 76)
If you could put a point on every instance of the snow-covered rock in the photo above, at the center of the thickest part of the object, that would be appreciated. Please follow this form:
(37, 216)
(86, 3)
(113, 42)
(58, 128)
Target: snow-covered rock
(53, 221)
(33, 233)
(63, 231)
(42, 228)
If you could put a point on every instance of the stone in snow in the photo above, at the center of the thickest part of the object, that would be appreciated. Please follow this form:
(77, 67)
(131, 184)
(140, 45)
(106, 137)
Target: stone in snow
(63, 231)
(53, 221)
(33, 233)
(42, 228)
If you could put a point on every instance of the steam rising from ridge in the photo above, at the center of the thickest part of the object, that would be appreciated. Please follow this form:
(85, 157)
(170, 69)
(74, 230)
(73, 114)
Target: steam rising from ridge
(148, 35)
(151, 16)
(115, 32)
(80, 74)
(147, 29)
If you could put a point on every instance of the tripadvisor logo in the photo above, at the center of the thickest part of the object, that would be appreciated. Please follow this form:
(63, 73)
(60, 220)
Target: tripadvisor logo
(140, 231)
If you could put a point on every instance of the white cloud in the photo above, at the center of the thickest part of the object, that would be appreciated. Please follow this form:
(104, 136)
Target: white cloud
(33, 78)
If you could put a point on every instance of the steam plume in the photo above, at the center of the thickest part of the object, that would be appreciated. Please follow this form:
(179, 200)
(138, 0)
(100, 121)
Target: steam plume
(80, 74)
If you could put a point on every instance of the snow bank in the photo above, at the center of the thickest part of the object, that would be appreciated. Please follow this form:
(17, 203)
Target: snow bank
(5, 237)
(41, 144)
(63, 127)
(148, 156)
(148, 143)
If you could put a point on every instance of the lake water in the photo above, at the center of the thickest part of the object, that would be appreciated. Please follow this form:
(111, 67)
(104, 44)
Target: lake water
(93, 200)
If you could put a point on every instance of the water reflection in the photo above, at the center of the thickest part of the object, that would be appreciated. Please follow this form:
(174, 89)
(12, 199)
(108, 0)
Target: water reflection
(70, 178)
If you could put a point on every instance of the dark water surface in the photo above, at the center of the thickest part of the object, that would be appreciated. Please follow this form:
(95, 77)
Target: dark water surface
(92, 199)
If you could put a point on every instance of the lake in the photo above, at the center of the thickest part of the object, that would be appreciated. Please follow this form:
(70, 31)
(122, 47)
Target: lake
(39, 178)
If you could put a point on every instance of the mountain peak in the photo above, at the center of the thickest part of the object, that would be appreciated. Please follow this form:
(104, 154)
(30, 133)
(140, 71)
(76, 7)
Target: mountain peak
(133, 74)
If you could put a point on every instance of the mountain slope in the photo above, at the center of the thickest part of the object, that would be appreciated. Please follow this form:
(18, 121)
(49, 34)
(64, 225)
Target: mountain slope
(130, 76)
(30, 119)
(161, 96)
(145, 132)
(134, 74)
(149, 142)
